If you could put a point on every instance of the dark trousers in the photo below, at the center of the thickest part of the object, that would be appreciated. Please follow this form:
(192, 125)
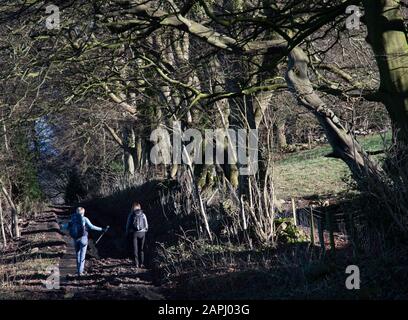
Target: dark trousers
(138, 247)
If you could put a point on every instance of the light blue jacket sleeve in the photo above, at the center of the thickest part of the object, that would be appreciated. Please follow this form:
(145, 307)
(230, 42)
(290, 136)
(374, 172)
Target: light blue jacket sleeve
(64, 226)
(90, 226)
(145, 223)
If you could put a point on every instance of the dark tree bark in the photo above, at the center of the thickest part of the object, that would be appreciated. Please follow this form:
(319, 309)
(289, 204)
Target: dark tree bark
(388, 39)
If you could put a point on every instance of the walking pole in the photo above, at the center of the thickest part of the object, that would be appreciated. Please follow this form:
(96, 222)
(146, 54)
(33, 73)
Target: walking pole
(96, 242)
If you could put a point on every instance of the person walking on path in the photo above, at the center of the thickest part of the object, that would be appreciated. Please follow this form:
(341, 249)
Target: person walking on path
(136, 228)
(78, 228)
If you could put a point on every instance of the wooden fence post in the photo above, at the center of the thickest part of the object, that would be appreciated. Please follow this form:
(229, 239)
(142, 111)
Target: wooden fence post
(311, 227)
(294, 212)
(331, 234)
(351, 231)
(321, 234)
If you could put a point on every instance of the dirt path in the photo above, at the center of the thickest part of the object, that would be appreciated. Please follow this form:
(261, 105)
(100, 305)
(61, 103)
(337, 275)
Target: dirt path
(105, 278)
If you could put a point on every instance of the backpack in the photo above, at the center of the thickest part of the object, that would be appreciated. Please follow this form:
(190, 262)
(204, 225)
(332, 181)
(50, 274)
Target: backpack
(137, 221)
(76, 226)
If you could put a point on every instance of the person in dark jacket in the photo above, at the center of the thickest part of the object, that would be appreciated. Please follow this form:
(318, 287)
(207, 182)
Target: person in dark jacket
(136, 228)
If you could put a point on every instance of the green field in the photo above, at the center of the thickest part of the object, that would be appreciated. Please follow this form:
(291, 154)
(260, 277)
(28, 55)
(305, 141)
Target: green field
(308, 173)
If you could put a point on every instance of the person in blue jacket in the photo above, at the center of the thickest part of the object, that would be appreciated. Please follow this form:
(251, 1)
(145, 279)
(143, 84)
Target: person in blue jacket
(79, 227)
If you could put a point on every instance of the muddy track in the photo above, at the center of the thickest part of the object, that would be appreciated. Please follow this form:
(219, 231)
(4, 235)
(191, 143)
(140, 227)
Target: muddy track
(105, 278)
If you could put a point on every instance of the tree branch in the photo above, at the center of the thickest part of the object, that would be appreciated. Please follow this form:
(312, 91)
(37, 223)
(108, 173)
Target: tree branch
(127, 107)
(117, 139)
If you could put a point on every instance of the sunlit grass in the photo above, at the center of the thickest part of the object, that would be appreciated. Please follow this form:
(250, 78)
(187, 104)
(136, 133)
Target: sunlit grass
(309, 172)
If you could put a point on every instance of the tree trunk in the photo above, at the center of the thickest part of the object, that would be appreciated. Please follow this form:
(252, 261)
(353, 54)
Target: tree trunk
(16, 228)
(388, 39)
(14, 210)
(129, 159)
(342, 142)
(2, 230)
(6, 143)
(139, 152)
(199, 199)
(280, 135)
(222, 120)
